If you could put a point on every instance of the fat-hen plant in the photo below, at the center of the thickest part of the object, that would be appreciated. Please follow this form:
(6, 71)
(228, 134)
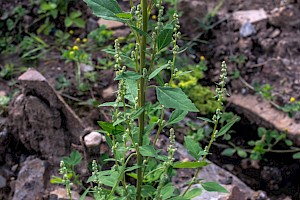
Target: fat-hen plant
(128, 134)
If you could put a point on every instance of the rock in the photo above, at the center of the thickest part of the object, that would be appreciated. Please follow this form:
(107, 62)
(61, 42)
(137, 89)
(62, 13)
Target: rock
(110, 24)
(109, 94)
(122, 32)
(91, 25)
(41, 120)
(275, 33)
(247, 29)
(236, 194)
(86, 68)
(31, 179)
(2, 182)
(92, 139)
(62, 194)
(92, 142)
(285, 17)
(250, 15)
(263, 114)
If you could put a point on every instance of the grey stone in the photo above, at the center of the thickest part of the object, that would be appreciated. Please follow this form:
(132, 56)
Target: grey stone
(2, 182)
(30, 182)
(247, 29)
(41, 120)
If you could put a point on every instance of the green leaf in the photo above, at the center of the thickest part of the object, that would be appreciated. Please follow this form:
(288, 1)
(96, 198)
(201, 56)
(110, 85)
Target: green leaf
(156, 71)
(148, 191)
(82, 197)
(138, 113)
(68, 21)
(206, 119)
(124, 15)
(195, 192)
(296, 155)
(118, 121)
(131, 90)
(241, 153)
(132, 168)
(109, 128)
(123, 55)
(128, 75)
(106, 9)
(288, 142)
(174, 98)
(177, 116)
(56, 180)
(10, 24)
(139, 31)
(165, 37)
(193, 147)
(112, 104)
(226, 128)
(74, 158)
(167, 191)
(228, 152)
(213, 187)
(132, 175)
(148, 150)
(79, 22)
(75, 14)
(190, 164)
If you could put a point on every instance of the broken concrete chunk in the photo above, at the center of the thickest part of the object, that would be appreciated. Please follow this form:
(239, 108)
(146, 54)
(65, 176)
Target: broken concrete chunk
(263, 114)
(41, 120)
(30, 181)
(250, 15)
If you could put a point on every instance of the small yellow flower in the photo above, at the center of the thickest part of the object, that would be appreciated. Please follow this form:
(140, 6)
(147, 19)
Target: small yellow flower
(71, 53)
(77, 40)
(154, 17)
(286, 130)
(71, 32)
(292, 99)
(75, 48)
(202, 58)
(84, 40)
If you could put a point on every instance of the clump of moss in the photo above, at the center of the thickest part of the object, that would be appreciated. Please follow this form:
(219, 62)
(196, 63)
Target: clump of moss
(202, 96)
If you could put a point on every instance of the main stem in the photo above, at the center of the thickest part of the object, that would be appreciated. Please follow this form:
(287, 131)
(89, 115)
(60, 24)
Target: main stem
(142, 95)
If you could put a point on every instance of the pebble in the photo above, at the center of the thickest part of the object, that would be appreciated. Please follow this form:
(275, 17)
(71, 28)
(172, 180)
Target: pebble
(93, 139)
(247, 29)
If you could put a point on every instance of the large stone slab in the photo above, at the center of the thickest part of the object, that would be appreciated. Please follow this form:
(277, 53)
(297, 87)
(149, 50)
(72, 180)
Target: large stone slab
(264, 114)
(41, 120)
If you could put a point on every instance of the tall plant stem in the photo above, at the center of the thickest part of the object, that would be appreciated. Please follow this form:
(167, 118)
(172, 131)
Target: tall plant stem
(141, 97)
(213, 136)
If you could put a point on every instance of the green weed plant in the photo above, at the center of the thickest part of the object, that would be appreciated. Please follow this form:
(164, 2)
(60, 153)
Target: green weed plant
(133, 119)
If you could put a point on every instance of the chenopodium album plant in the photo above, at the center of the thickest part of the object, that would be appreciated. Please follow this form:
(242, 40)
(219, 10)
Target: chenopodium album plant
(128, 134)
